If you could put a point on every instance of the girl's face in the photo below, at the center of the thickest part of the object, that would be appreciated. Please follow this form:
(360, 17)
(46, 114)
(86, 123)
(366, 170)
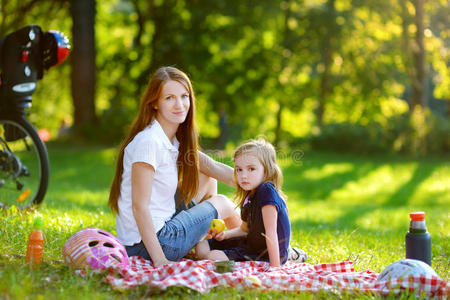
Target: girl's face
(249, 171)
(173, 104)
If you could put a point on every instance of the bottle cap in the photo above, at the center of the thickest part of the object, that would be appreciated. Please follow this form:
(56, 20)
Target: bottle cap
(38, 223)
(417, 216)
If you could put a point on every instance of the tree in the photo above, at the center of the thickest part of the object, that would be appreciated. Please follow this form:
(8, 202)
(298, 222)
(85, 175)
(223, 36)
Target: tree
(419, 80)
(12, 13)
(285, 32)
(82, 60)
(326, 51)
(438, 40)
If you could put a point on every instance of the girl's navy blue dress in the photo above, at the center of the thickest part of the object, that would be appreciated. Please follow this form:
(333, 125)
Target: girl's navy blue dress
(253, 246)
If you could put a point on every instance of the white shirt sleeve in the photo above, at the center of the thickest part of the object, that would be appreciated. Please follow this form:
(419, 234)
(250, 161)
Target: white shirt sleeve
(145, 150)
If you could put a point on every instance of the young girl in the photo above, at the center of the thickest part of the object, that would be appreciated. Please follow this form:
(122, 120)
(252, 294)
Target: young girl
(160, 156)
(265, 231)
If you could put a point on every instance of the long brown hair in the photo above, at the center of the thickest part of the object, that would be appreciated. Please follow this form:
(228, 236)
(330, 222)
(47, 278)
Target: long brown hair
(265, 153)
(186, 135)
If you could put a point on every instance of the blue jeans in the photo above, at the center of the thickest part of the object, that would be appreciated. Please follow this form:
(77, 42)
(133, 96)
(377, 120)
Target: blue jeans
(181, 233)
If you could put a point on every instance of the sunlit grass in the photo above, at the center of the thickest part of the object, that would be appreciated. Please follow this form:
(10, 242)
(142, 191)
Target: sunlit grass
(358, 207)
(341, 207)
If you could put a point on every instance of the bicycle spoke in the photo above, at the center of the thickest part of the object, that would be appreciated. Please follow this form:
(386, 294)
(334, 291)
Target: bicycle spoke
(20, 164)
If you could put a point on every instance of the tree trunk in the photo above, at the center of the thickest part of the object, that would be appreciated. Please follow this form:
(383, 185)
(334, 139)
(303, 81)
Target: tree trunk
(324, 81)
(223, 127)
(327, 54)
(419, 93)
(278, 125)
(448, 108)
(83, 62)
(284, 62)
(406, 44)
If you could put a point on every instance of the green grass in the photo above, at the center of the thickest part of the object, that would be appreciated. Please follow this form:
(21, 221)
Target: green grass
(341, 207)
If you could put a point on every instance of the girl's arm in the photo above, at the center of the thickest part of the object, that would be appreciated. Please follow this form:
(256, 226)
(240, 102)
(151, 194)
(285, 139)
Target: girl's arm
(232, 233)
(215, 169)
(141, 190)
(269, 214)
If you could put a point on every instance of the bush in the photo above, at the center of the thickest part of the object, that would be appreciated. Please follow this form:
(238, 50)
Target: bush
(418, 133)
(349, 137)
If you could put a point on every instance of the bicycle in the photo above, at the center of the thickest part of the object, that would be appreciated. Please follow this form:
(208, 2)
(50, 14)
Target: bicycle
(24, 163)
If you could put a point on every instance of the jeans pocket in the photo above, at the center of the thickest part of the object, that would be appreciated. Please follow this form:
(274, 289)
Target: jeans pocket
(167, 233)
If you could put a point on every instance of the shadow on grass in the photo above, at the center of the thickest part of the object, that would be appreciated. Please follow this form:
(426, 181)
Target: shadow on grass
(79, 178)
(356, 169)
(296, 178)
(89, 172)
(403, 194)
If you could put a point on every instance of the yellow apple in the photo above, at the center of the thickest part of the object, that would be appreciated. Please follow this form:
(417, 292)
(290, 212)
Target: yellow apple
(218, 225)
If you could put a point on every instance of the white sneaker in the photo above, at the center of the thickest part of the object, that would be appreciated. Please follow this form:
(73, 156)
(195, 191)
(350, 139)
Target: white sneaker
(297, 255)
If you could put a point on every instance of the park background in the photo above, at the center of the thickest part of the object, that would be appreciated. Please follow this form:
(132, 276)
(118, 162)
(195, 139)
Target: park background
(358, 76)
(354, 94)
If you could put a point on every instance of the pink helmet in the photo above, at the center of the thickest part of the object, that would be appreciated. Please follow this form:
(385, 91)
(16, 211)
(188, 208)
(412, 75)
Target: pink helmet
(95, 248)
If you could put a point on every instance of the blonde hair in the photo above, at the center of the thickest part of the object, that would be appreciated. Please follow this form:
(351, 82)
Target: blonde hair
(186, 134)
(265, 153)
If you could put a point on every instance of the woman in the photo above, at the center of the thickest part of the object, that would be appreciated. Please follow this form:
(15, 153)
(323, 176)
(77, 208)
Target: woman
(159, 155)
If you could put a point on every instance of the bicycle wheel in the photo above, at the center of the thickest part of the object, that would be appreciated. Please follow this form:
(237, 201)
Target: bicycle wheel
(24, 167)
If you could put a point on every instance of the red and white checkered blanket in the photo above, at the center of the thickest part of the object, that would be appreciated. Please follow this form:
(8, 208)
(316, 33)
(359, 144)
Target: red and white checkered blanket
(331, 277)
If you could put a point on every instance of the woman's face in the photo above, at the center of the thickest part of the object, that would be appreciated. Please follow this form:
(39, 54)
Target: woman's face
(173, 104)
(249, 171)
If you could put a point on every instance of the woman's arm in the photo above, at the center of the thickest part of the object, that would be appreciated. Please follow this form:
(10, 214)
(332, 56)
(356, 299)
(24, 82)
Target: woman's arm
(215, 169)
(269, 214)
(141, 190)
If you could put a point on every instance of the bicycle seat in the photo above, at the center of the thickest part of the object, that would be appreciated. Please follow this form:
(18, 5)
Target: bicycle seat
(21, 65)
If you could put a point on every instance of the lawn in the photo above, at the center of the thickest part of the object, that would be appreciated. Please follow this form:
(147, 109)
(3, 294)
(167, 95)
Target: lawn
(341, 207)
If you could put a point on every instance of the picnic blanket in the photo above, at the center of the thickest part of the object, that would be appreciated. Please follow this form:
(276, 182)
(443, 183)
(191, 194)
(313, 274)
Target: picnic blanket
(331, 277)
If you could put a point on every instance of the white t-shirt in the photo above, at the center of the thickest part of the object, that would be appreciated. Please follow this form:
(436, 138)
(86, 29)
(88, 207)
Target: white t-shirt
(153, 147)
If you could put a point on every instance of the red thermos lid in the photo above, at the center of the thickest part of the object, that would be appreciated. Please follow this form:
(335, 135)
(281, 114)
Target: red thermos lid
(417, 216)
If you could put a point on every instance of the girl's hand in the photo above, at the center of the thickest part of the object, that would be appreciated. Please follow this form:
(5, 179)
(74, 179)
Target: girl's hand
(219, 236)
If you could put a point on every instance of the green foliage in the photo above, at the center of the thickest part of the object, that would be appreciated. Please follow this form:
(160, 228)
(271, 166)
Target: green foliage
(248, 61)
(419, 133)
(348, 137)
